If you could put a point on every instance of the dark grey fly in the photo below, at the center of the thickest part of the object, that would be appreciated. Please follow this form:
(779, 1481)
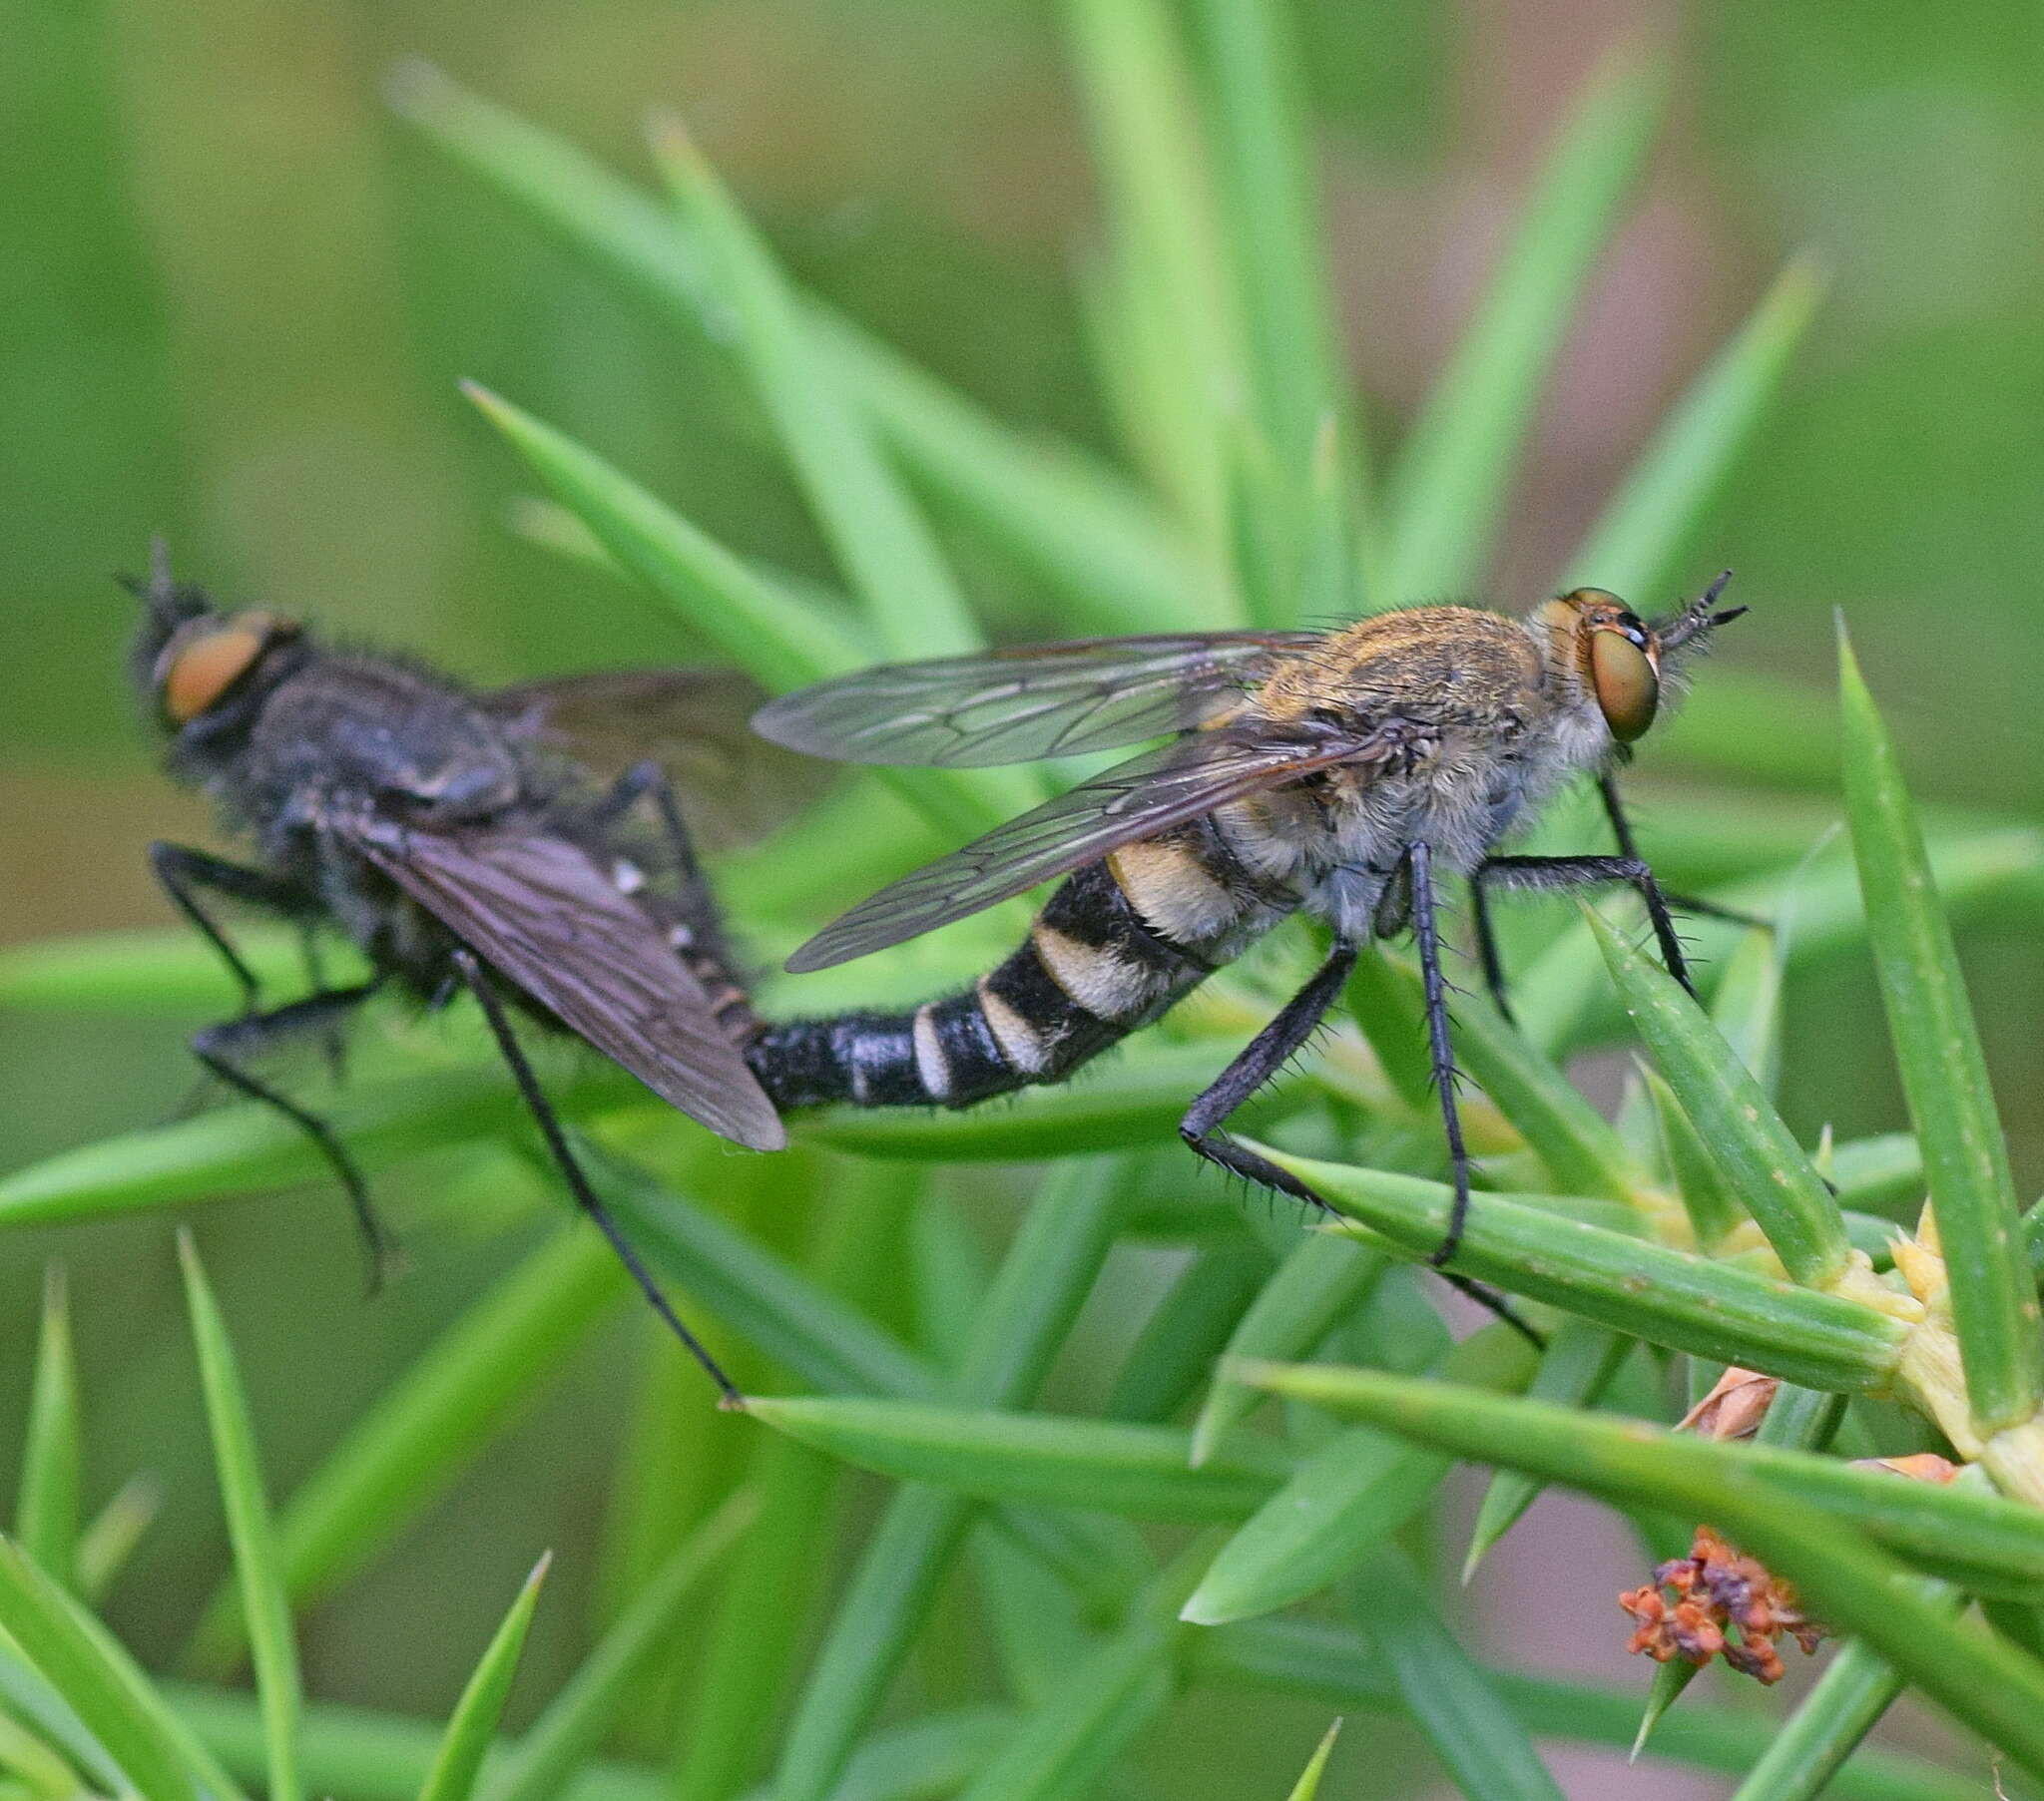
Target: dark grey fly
(510, 844)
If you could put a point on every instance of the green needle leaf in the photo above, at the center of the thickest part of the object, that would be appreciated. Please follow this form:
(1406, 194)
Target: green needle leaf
(1807, 1751)
(432, 1423)
(1264, 165)
(1069, 1741)
(1634, 542)
(1068, 517)
(1043, 1281)
(102, 1685)
(1447, 490)
(259, 1570)
(474, 1722)
(779, 637)
(1055, 1460)
(1574, 1370)
(1342, 1502)
(46, 1507)
(582, 1713)
(1937, 1049)
(1755, 1151)
(1668, 1297)
(881, 542)
(1178, 332)
(1481, 1742)
(1323, 1278)
(1964, 1535)
(1308, 1787)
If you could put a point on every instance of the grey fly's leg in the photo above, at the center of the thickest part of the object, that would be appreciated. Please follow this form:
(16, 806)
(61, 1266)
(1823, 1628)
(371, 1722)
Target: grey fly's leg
(219, 1049)
(1259, 1061)
(649, 781)
(1552, 874)
(183, 872)
(470, 969)
(1628, 846)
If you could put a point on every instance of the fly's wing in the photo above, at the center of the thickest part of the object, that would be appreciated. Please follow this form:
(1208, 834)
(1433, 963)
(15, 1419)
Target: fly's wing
(541, 913)
(1137, 800)
(731, 787)
(1011, 706)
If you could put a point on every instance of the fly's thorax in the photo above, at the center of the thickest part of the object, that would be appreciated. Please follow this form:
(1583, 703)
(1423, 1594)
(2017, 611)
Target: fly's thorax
(366, 733)
(1458, 667)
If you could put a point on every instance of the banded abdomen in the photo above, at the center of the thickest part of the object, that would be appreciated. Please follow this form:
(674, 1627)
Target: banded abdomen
(1115, 946)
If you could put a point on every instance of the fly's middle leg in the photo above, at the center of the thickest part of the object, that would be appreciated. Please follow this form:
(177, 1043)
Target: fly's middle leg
(1441, 1056)
(1263, 1057)
(221, 1050)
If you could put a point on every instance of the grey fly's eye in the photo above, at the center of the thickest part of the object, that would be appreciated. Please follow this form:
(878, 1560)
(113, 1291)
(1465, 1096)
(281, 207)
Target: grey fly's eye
(196, 673)
(1628, 689)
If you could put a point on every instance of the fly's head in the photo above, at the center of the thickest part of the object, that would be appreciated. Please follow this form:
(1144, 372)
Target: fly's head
(204, 672)
(1602, 655)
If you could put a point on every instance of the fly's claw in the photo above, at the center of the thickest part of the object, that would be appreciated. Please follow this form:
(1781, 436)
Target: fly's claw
(1711, 1593)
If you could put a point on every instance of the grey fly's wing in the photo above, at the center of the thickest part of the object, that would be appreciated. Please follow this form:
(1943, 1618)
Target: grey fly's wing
(1012, 707)
(1137, 800)
(732, 787)
(547, 919)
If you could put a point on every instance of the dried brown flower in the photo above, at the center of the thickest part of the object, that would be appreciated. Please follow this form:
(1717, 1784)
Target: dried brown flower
(1713, 1588)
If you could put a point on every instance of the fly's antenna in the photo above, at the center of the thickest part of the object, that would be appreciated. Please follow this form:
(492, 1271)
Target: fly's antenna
(1700, 618)
(170, 604)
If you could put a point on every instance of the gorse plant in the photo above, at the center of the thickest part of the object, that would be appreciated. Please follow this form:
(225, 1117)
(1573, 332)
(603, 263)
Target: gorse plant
(1691, 1232)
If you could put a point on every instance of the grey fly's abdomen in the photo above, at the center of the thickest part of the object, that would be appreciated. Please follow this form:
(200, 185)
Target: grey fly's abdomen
(1118, 944)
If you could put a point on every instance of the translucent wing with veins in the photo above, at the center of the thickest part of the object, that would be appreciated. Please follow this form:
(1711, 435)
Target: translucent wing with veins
(1012, 707)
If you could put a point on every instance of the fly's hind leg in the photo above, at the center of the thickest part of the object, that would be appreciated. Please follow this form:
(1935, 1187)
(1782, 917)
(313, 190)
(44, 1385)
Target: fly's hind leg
(221, 1048)
(473, 975)
(648, 781)
(1261, 1059)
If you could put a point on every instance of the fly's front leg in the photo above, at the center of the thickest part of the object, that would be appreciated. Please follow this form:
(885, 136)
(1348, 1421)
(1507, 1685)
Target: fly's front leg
(1487, 954)
(1553, 874)
(185, 872)
(221, 1048)
(1261, 1059)
(1628, 846)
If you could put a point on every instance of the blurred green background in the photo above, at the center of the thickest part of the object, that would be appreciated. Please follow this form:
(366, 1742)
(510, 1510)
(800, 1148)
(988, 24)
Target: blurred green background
(238, 297)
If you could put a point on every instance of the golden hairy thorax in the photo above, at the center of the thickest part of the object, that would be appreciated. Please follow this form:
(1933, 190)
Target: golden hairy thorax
(1455, 665)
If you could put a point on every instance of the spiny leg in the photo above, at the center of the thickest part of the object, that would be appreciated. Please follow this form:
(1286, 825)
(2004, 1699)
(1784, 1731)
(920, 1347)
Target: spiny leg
(1440, 1047)
(470, 969)
(1552, 874)
(1628, 846)
(217, 1047)
(1259, 1061)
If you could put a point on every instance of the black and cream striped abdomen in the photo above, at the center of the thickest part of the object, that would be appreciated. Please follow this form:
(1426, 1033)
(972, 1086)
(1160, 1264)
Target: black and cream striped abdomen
(1117, 944)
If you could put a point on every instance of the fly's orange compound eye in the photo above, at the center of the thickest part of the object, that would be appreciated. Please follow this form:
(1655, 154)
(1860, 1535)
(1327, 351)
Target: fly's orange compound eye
(196, 673)
(1622, 673)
